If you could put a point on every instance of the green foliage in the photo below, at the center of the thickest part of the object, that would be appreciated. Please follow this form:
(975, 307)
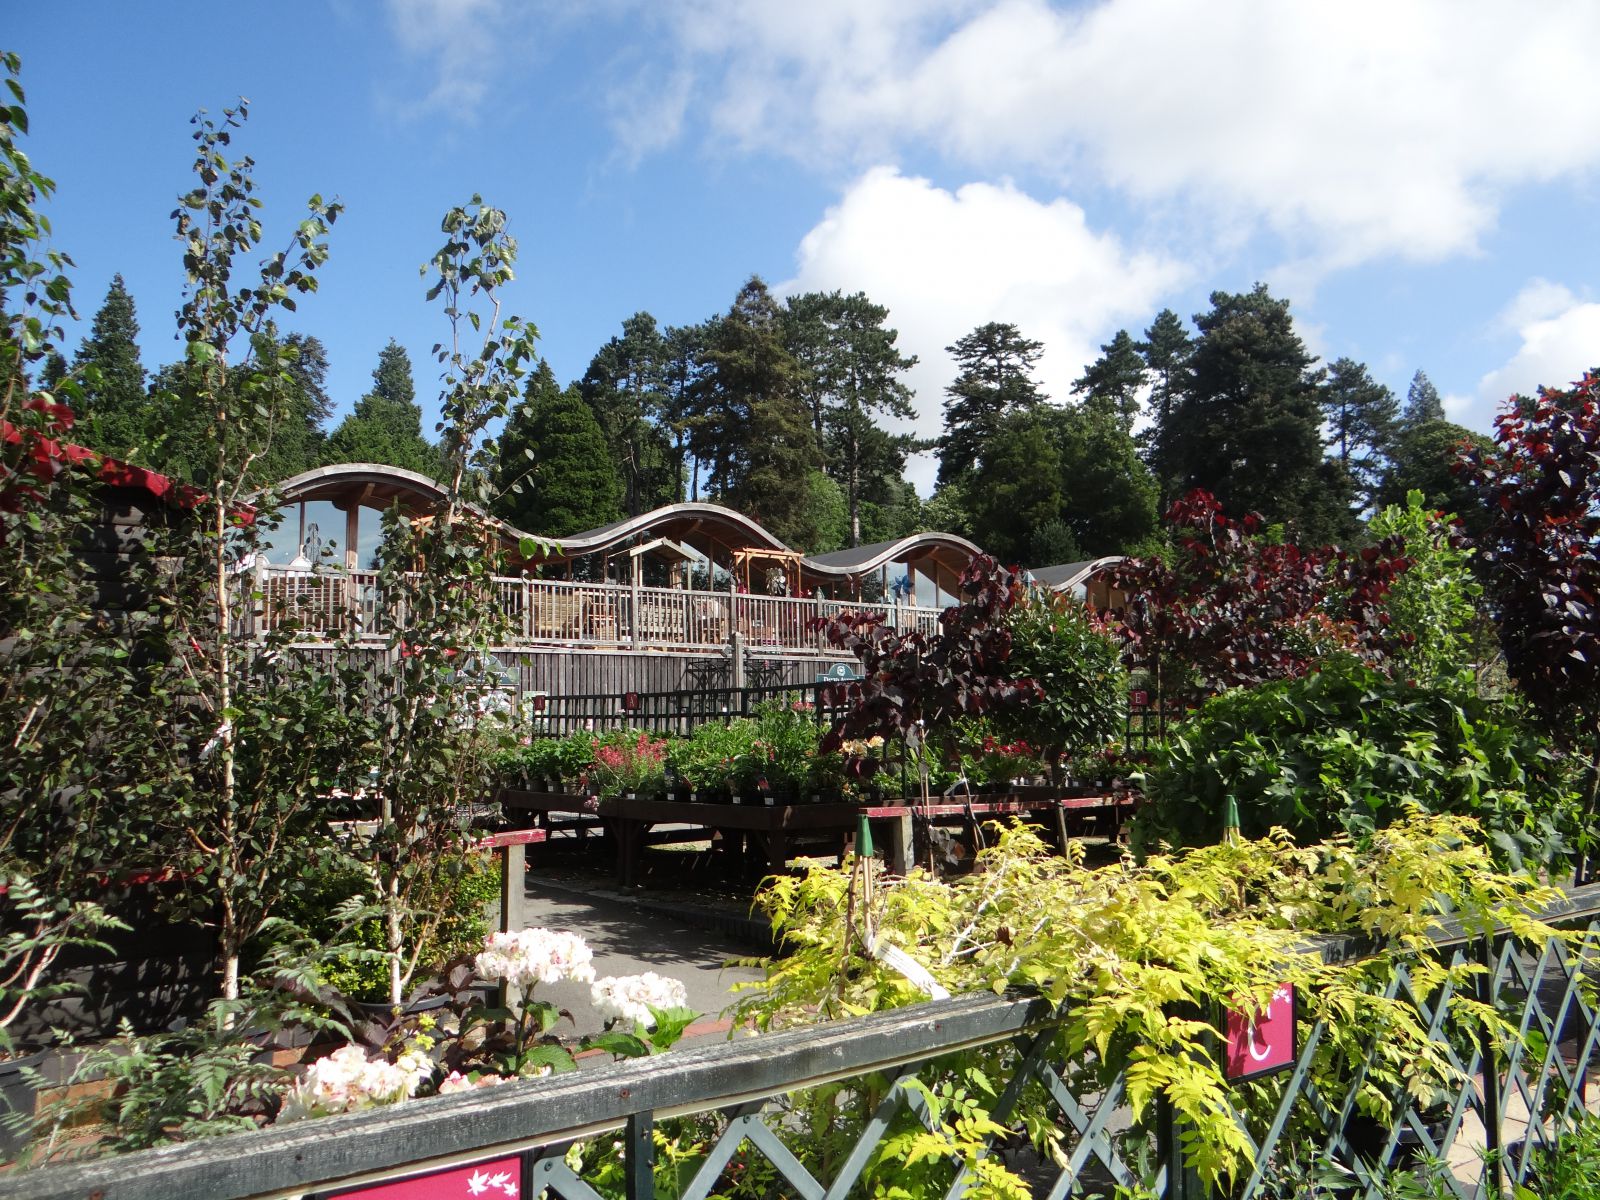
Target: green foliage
(446, 921)
(1346, 749)
(37, 930)
(994, 380)
(114, 413)
(708, 759)
(200, 1080)
(1568, 1170)
(1423, 459)
(1059, 642)
(626, 389)
(1434, 621)
(386, 424)
(553, 468)
(1134, 955)
(1249, 427)
(437, 573)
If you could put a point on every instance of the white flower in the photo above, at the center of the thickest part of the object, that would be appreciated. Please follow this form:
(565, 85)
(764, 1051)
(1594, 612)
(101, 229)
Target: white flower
(528, 956)
(347, 1080)
(630, 997)
(457, 1082)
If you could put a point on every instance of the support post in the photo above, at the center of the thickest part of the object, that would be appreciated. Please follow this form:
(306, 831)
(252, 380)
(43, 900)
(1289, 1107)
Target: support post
(509, 906)
(639, 1156)
(736, 641)
(899, 845)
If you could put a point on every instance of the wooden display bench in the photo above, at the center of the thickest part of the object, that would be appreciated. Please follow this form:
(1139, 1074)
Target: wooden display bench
(774, 833)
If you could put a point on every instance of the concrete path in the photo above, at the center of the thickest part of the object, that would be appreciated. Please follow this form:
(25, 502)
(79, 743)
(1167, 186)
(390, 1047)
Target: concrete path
(629, 939)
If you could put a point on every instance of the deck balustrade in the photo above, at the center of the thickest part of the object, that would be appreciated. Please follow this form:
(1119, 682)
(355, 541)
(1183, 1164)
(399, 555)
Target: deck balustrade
(327, 605)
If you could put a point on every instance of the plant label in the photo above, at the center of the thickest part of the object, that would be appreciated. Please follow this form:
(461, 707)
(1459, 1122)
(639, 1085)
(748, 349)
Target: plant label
(497, 1179)
(1262, 1042)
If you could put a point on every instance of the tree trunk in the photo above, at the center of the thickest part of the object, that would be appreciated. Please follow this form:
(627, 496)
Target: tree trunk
(1586, 828)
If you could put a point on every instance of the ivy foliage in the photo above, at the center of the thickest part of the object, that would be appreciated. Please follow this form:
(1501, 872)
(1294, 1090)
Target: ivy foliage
(1346, 750)
(1136, 958)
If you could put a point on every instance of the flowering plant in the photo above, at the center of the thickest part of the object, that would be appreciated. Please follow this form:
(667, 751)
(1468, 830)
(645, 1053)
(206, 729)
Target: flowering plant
(350, 1079)
(637, 998)
(656, 1005)
(630, 763)
(517, 1040)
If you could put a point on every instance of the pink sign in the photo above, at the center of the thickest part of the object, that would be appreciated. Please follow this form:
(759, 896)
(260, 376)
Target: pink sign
(1265, 1043)
(498, 1179)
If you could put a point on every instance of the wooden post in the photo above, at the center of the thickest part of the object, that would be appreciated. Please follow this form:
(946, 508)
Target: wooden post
(899, 846)
(510, 904)
(736, 680)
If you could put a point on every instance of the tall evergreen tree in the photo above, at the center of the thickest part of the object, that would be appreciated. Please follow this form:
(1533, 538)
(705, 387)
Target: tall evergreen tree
(683, 366)
(1424, 459)
(750, 425)
(850, 370)
(1362, 417)
(115, 414)
(1168, 352)
(1017, 486)
(554, 472)
(386, 424)
(994, 379)
(1112, 383)
(296, 443)
(1249, 429)
(1422, 403)
(626, 386)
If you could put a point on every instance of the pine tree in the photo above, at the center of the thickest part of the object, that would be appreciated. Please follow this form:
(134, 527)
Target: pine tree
(1249, 428)
(1362, 417)
(1017, 486)
(751, 426)
(296, 442)
(1111, 384)
(850, 370)
(386, 424)
(554, 470)
(115, 415)
(1168, 351)
(1424, 459)
(626, 387)
(1422, 403)
(994, 379)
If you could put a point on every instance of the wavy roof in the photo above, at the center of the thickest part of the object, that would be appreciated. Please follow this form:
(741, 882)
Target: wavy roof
(706, 527)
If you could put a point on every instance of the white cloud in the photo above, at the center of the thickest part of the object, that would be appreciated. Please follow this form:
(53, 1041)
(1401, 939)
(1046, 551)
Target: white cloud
(1353, 130)
(946, 262)
(1560, 336)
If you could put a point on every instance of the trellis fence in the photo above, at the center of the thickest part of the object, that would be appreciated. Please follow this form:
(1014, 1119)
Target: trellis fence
(1528, 1091)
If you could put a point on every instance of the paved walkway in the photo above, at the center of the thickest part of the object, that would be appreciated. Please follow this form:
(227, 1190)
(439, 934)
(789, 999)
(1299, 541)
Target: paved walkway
(633, 935)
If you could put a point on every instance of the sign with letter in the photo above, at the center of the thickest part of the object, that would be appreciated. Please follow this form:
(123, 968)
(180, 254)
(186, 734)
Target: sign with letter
(1262, 1042)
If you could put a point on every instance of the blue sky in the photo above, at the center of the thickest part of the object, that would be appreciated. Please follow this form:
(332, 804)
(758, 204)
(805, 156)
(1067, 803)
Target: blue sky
(1417, 177)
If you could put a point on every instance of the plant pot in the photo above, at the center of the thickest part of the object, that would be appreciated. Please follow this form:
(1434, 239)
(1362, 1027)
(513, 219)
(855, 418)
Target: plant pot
(18, 1094)
(382, 1010)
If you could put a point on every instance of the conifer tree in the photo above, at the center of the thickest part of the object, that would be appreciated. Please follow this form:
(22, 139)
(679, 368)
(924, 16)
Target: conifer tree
(116, 416)
(554, 472)
(751, 426)
(1249, 428)
(994, 380)
(850, 373)
(1168, 350)
(386, 424)
(1362, 417)
(1422, 402)
(626, 386)
(1111, 384)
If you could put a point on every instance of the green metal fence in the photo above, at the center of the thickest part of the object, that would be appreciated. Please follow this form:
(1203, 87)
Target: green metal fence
(1522, 1091)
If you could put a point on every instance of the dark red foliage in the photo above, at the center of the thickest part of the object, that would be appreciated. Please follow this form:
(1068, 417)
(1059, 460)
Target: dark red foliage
(1541, 486)
(909, 679)
(1232, 610)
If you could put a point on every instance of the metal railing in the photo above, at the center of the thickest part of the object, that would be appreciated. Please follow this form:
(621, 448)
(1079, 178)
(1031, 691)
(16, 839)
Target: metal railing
(663, 712)
(332, 603)
(1526, 1092)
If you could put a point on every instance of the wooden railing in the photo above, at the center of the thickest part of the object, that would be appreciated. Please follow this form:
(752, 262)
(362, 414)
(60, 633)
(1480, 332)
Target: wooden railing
(330, 604)
(1506, 1095)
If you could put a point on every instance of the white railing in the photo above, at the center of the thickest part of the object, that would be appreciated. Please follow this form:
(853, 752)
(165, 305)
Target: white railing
(327, 604)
